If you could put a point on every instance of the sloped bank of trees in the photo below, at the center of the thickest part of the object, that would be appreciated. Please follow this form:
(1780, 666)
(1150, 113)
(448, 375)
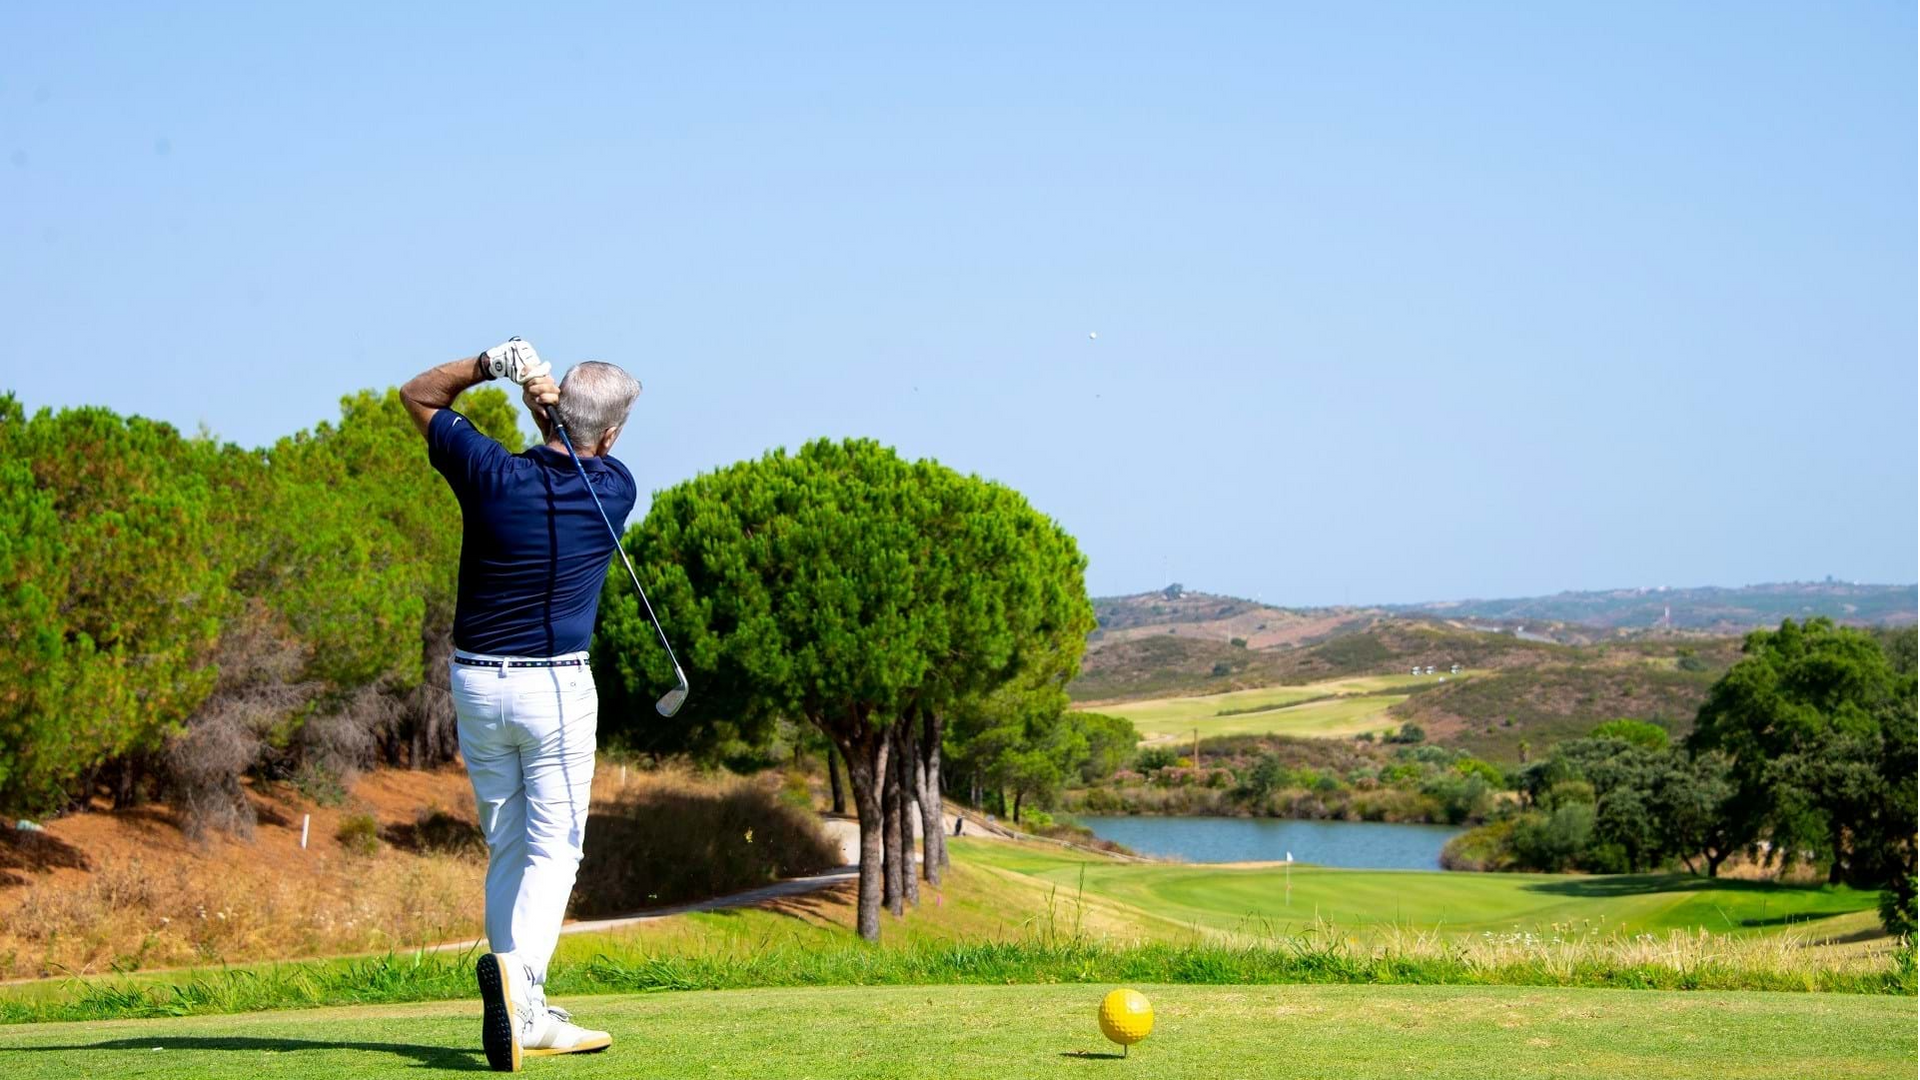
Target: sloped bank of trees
(883, 601)
(179, 612)
(1803, 755)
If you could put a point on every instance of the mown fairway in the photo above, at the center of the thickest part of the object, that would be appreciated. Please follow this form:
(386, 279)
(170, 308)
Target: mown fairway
(1237, 898)
(1333, 708)
(1005, 1032)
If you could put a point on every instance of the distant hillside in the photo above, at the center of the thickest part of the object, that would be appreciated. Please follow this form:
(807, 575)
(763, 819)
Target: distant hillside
(1547, 668)
(1218, 618)
(1710, 609)
(1193, 661)
(1502, 715)
(1524, 695)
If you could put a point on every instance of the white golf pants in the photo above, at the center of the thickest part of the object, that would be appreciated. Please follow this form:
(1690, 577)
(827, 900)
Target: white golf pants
(527, 735)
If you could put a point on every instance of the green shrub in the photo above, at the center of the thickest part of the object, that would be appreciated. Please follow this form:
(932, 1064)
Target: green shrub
(1551, 842)
(1460, 796)
(1486, 848)
(1470, 766)
(795, 790)
(359, 834)
(1898, 907)
(1154, 757)
(1634, 733)
(1568, 792)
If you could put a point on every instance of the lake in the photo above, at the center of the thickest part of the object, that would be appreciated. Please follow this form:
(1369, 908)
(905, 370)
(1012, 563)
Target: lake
(1360, 845)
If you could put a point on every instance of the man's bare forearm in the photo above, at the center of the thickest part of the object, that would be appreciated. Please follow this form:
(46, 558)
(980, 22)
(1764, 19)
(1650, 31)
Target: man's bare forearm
(436, 388)
(541, 418)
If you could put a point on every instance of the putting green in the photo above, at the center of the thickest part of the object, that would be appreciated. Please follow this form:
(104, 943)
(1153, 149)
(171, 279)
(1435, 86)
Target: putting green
(1228, 898)
(998, 1032)
(1334, 708)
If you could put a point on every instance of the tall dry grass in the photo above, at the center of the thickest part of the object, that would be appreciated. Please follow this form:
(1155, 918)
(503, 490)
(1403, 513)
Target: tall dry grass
(662, 837)
(131, 914)
(1584, 952)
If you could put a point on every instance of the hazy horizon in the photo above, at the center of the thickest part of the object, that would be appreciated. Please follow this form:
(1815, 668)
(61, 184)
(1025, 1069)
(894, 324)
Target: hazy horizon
(1193, 588)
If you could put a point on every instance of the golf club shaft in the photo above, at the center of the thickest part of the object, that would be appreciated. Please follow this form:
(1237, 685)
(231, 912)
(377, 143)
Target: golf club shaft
(617, 545)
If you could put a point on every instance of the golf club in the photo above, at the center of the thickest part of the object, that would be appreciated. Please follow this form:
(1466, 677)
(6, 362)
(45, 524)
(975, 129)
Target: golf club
(674, 698)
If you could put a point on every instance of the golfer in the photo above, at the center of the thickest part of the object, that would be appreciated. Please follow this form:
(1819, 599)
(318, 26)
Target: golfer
(533, 554)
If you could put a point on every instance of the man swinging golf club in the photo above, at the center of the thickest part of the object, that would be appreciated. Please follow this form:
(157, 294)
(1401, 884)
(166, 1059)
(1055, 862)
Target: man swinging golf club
(537, 537)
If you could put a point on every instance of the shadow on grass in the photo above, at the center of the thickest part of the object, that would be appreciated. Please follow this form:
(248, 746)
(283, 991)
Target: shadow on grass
(436, 831)
(816, 907)
(1616, 885)
(436, 1057)
(1094, 1055)
(34, 853)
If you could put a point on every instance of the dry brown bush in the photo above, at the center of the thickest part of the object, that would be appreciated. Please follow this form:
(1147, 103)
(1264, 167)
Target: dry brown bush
(258, 690)
(336, 745)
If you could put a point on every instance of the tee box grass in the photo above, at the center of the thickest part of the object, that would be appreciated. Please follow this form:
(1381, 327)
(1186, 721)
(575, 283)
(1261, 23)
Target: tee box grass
(1002, 1032)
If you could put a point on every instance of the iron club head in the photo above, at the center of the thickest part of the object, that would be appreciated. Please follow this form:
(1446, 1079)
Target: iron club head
(677, 696)
(674, 698)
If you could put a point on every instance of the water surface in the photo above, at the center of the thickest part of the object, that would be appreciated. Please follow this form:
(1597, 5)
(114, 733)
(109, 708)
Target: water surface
(1360, 845)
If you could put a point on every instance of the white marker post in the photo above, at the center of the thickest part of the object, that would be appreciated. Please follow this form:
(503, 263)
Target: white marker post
(1289, 879)
(305, 820)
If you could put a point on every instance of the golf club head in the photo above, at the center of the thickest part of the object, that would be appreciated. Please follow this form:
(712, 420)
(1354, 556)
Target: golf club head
(675, 697)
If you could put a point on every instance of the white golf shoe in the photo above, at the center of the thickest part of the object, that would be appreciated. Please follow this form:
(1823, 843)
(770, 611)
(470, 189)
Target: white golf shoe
(509, 1009)
(554, 1032)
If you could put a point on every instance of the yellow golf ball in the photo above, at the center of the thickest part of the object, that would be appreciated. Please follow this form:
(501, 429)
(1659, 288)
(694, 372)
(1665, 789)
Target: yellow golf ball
(1126, 1016)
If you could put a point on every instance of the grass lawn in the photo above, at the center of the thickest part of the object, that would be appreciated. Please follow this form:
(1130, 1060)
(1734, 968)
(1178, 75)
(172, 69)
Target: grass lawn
(1337, 707)
(1033, 915)
(1003, 1032)
(1236, 898)
(1328, 718)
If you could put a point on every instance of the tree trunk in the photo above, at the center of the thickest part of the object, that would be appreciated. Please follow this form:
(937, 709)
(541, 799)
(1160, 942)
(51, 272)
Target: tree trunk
(933, 823)
(1713, 863)
(890, 829)
(905, 758)
(1017, 796)
(833, 779)
(866, 764)
(126, 783)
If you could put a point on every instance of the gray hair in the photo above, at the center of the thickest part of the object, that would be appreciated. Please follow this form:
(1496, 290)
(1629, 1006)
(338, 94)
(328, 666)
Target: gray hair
(595, 396)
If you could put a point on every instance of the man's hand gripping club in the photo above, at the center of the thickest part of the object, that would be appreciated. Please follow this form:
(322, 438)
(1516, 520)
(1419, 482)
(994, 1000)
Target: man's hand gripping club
(514, 359)
(436, 388)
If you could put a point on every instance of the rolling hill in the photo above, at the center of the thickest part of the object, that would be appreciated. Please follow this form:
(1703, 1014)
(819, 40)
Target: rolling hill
(1546, 668)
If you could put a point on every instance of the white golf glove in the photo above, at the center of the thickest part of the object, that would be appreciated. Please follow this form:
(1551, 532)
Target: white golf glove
(516, 360)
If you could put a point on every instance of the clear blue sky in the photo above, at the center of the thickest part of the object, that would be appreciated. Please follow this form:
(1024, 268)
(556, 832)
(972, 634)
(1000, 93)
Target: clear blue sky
(1395, 302)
